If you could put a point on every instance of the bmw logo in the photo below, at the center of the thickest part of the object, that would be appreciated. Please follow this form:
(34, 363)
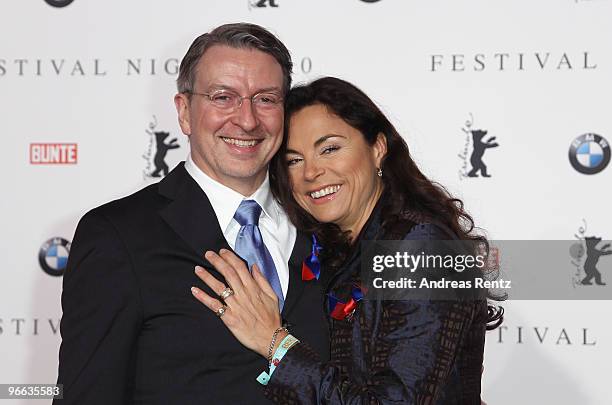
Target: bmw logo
(589, 153)
(58, 3)
(53, 256)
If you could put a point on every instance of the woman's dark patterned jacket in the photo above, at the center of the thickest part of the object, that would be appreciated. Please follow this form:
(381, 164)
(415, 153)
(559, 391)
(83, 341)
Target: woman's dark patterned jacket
(391, 352)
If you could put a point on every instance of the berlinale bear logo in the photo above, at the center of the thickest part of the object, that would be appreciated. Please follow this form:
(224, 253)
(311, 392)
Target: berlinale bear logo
(592, 257)
(156, 162)
(161, 151)
(478, 150)
(585, 256)
(475, 140)
(262, 3)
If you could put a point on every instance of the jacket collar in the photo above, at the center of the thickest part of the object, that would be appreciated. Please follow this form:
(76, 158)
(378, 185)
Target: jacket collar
(190, 213)
(301, 249)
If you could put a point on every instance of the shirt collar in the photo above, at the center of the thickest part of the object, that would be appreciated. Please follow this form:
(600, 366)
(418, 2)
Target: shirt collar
(263, 196)
(225, 201)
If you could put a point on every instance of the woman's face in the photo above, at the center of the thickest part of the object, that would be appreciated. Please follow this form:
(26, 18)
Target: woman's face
(332, 169)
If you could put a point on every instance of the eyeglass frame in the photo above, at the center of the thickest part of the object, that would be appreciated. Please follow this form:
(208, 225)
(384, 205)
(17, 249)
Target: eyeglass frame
(240, 98)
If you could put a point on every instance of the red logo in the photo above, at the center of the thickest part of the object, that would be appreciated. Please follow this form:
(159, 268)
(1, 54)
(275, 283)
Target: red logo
(53, 153)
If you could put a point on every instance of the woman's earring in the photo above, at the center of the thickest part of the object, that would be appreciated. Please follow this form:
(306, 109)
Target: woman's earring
(379, 172)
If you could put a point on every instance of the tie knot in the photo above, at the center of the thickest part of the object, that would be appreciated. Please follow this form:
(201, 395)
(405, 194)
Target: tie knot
(248, 213)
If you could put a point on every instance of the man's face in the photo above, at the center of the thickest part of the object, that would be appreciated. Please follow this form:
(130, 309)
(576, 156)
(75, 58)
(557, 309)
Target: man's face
(233, 146)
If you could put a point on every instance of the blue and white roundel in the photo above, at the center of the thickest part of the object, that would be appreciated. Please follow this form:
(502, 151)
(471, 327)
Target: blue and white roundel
(589, 153)
(53, 256)
(57, 257)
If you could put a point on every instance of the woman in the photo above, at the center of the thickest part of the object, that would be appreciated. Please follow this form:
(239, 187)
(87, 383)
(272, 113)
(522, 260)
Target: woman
(345, 175)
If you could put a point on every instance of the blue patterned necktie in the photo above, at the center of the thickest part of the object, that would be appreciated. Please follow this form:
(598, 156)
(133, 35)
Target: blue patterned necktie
(250, 245)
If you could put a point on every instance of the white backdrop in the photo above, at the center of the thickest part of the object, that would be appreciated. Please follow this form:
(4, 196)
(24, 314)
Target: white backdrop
(534, 74)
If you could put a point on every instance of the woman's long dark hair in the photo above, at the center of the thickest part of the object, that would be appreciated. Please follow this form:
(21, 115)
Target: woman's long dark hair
(409, 196)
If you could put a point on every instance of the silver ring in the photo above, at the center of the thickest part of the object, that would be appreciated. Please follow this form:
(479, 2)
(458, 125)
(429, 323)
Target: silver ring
(228, 292)
(219, 312)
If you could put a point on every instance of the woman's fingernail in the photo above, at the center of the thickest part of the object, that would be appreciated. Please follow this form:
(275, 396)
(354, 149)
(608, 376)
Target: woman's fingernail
(222, 251)
(198, 269)
(194, 291)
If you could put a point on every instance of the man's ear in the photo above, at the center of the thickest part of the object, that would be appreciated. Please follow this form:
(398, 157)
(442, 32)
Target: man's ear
(181, 101)
(380, 148)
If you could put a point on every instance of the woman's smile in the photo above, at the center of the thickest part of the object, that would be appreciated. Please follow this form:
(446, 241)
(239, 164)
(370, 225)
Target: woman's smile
(324, 194)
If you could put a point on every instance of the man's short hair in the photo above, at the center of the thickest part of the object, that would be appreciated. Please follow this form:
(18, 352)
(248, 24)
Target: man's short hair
(237, 35)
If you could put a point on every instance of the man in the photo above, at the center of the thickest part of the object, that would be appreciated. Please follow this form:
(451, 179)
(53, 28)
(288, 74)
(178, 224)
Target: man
(132, 332)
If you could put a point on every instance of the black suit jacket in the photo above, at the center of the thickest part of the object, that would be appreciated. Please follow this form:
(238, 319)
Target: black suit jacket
(132, 333)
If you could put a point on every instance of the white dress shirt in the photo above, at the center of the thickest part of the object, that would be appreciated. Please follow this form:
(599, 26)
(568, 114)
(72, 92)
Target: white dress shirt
(277, 231)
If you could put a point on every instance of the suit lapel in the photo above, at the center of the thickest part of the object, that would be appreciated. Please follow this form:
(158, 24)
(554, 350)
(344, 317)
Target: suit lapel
(190, 213)
(301, 249)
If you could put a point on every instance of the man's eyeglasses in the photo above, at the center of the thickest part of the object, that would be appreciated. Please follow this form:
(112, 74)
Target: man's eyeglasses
(230, 101)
